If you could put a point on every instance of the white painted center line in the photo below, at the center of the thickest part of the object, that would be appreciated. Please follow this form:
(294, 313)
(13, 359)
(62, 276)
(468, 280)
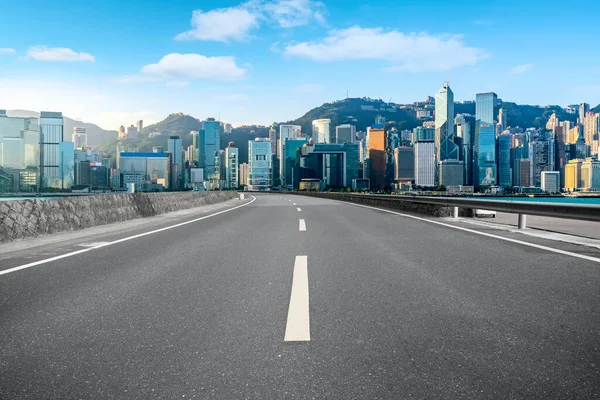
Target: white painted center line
(302, 225)
(289, 200)
(297, 328)
(294, 204)
(299, 209)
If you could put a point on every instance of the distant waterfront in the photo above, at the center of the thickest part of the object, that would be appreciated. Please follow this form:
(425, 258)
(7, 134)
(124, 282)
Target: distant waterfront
(558, 199)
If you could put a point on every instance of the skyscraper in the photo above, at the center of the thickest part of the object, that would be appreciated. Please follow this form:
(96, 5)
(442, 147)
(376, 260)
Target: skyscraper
(425, 164)
(503, 118)
(321, 130)
(231, 166)
(291, 163)
(140, 125)
(345, 133)
(210, 142)
(260, 164)
(484, 144)
(504, 170)
(273, 139)
(445, 147)
(285, 132)
(404, 164)
(583, 110)
(79, 137)
(51, 135)
(464, 133)
(542, 158)
(175, 147)
(377, 156)
(485, 107)
(195, 148)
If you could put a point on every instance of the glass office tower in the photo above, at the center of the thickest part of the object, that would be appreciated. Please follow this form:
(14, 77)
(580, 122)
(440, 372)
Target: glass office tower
(485, 107)
(504, 170)
(484, 155)
(210, 143)
(51, 135)
(445, 147)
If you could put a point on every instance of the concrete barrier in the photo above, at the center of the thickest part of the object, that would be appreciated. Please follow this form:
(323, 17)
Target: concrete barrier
(21, 219)
(392, 202)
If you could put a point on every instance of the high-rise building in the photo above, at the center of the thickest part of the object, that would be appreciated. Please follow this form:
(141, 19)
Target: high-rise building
(525, 172)
(210, 143)
(542, 158)
(552, 122)
(290, 171)
(195, 160)
(19, 153)
(321, 130)
(144, 170)
(51, 135)
(425, 164)
(260, 164)
(285, 132)
(273, 139)
(445, 147)
(66, 169)
(485, 107)
(504, 170)
(422, 134)
(503, 118)
(573, 174)
(451, 172)
(551, 181)
(132, 132)
(345, 134)
(377, 156)
(590, 174)
(591, 128)
(484, 155)
(139, 126)
(231, 166)
(404, 164)
(464, 133)
(335, 165)
(244, 174)
(79, 137)
(583, 110)
(175, 147)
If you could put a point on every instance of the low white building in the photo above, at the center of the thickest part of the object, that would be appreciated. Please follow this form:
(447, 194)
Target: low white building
(550, 181)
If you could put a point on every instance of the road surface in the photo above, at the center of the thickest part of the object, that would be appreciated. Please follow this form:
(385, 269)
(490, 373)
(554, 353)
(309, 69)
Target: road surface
(298, 297)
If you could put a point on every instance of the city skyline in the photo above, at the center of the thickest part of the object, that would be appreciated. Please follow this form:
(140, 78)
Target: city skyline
(119, 69)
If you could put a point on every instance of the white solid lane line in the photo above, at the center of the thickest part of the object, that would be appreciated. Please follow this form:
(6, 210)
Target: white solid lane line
(302, 225)
(299, 209)
(104, 244)
(506, 239)
(297, 328)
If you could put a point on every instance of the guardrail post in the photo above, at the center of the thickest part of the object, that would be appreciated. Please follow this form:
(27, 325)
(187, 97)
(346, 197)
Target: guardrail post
(522, 221)
(455, 212)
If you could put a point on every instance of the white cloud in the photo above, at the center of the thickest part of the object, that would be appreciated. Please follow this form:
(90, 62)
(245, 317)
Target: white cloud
(413, 52)
(520, 69)
(138, 78)
(43, 53)
(236, 23)
(292, 13)
(230, 97)
(221, 25)
(309, 88)
(177, 84)
(7, 50)
(195, 66)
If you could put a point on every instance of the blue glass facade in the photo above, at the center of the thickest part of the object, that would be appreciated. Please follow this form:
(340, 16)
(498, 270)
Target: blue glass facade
(51, 135)
(291, 167)
(339, 163)
(484, 155)
(67, 164)
(485, 107)
(210, 142)
(504, 170)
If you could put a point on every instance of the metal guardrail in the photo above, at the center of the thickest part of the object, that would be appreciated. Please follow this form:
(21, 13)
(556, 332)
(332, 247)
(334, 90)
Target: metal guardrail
(585, 212)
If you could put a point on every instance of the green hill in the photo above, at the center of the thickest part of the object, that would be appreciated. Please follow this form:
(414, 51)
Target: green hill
(357, 111)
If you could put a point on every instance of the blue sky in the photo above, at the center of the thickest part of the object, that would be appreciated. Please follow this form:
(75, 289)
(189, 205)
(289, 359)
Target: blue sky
(112, 62)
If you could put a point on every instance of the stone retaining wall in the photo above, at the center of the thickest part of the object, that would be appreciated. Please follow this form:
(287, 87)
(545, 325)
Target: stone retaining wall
(20, 219)
(392, 203)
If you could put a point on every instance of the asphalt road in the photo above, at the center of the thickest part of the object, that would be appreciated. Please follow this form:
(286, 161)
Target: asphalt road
(227, 307)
